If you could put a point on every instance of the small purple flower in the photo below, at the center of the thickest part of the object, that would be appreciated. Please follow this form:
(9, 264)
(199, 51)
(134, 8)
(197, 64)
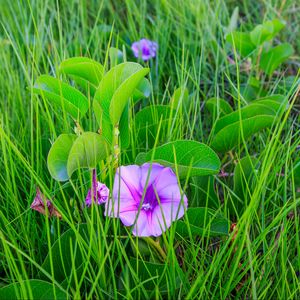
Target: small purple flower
(147, 197)
(144, 49)
(101, 192)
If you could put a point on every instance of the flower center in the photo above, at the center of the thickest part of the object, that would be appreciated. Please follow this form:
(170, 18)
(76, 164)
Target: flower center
(150, 200)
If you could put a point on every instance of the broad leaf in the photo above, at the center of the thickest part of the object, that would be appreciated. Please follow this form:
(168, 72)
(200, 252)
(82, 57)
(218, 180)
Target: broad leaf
(143, 90)
(115, 56)
(203, 192)
(148, 119)
(87, 151)
(189, 157)
(32, 289)
(250, 119)
(242, 42)
(61, 251)
(155, 275)
(123, 93)
(218, 107)
(58, 156)
(84, 71)
(109, 85)
(272, 59)
(62, 95)
(202, 221)
(266, 31)
(179, 97)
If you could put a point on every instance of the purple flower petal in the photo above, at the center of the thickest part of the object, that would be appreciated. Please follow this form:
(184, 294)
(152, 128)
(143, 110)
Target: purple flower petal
(148, 197)
(144, 49)
(100, 192)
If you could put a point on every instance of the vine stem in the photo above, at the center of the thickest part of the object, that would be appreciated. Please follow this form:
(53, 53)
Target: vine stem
(116, 145)
(156, 246)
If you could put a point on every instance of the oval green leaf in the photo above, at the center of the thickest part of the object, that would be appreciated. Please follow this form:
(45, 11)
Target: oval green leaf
(272, 59)
(218, 107)
(251, 119)
(85, 71)
(192, 158)
(202, 221)
(58, 156)
(123, 93)
(62, 95)
(38, 289)
(88, 150)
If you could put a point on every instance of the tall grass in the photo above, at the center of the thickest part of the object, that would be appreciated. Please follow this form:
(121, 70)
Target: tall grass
(261, 259)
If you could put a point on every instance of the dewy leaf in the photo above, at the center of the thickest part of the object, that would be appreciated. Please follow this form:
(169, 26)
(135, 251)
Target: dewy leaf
(242, 42)
(40, 289)
(193, 158)
(62, 95)
(88, 150)
(202, 221)
(265, 32)
(251, 119)
(84, 71)
(218, 107)
(123, 93)
(58, 156)
(272, 59)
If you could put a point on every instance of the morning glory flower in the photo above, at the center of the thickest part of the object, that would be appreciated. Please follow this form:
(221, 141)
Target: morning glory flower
(101, 192)
(147, 197)
(38, 204)
(144, 49)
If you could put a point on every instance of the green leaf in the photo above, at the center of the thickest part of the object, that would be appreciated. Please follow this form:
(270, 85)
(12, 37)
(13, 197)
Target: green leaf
(58, 156)
(218, 107)
(84, 71)
(35, 289)
(202, 221)
(179, 97)
(266, 31)
(141, 158)
(87, 151)
(147, 122)
(61, 252)
(62, 95)
(276, 102)
(108, 86)
(272, 59)
(110, 82)
(233, 21)
(193, 158)
(242, 42)
(115, 56)
(251, 119)
(203, 192)
(123, 93)
(143, 90)
(125, 128)
(155, 275)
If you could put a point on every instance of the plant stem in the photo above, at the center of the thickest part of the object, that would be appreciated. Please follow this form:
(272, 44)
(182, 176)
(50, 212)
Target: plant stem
(156, 246)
